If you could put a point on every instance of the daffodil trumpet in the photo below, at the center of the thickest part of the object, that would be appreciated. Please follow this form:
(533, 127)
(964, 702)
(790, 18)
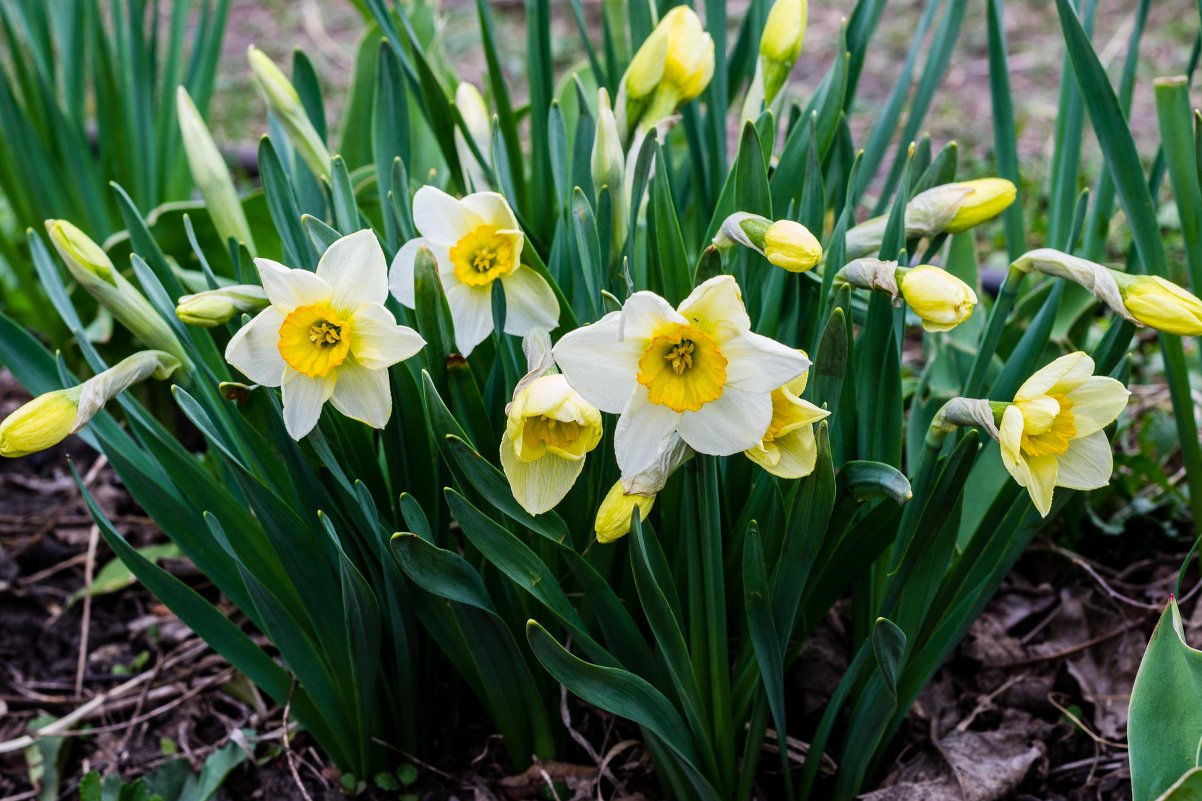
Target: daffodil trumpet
(697, 371)
(785, 243)
(475, 241)
(50, 418)
(549, 430)
(1051, 434)
(944, 209)
(939, 299)
(326, 336)
(1146, 300)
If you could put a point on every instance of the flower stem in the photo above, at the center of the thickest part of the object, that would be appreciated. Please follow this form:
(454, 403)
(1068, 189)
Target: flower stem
(993, 331)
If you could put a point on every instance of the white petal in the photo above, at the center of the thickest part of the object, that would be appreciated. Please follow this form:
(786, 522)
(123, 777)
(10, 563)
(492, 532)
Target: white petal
(732, 423)
(539, 485)
(493, 209)
(529, 302)
(1043, 472)
(643, 432)
(376, 339)
(644, 313)
(363, 394)
(471, 311)
(1096, 403)
(355, 269)
(717, 306)
(1087, 464)
(600, 366)
(759, 364)
(303, 399)
(400, 274)
(287, 288)
(255, 349)
(1063, 374)
(442, 218)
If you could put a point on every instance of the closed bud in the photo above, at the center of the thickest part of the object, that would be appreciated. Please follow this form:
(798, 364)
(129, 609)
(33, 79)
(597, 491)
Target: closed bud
(1161, 304)
(988, 198)
(784, 33)
(41, 423)
(790, 246)
(673, 66)
(613, 517)
(211, 175)
(281, 97)
(479, 125)
(941, 300)
(217, 306)
(90, 266)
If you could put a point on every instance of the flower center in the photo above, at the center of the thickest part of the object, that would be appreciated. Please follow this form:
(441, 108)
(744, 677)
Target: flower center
(542, 433)
(1054, 441)
(683, 369)
(314, 340)
(482, 256)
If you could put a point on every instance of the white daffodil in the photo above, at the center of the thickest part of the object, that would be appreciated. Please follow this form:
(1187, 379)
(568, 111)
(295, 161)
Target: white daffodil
(475, 241)
(1051, 434)
(789, 448)
(697, 370)
(326, 336)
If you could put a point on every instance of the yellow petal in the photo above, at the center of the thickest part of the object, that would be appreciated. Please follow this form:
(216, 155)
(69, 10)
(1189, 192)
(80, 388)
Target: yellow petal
(613, 517)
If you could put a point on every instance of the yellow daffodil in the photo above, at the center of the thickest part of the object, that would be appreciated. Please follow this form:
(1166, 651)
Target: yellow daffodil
(281, 97)
(475, 116)
(549, 430)
(941, 300)
(211, 175)
(216, 306)
(788, 448)
(613, 517)
(785, 243)
(697, 371)
(1051, 434)
(475, 241)
(50, 418)
(1161, 304)
(326, 336)
(672, 67)
(986, 199)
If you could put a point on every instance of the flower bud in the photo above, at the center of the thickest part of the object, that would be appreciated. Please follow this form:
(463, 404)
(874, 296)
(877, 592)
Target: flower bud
(479, 125)
(211, 175)
(281, 97)
(90, 266)
(672, 67)
(780, 45)
(48, 419)
(941, 300)
(41, 423)
(791, 246)
(988, 198)
(1161, 304)
(216, 306)
(608, 165)
(613, 517)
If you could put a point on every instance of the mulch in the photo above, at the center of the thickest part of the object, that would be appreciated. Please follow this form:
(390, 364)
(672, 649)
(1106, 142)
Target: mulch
(1032, 704)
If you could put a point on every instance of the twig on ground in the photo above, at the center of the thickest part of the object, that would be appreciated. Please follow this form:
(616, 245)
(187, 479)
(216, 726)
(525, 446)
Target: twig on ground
(85, 621)
(288, 756)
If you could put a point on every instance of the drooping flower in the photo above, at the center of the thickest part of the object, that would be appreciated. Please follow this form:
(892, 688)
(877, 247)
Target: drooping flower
(475, 241)
(789, 448)
(216, 306)
(672, 67)
(1051, 434)
(785, 243)
(326, 336)
(941, 300)
(549, 431)
(51, 417)
(698, 371)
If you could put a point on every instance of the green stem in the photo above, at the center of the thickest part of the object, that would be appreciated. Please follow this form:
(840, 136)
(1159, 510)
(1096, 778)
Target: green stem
(713, 581)
(993, 331)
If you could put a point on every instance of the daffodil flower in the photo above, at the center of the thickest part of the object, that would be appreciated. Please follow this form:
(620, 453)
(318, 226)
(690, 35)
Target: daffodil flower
(698, 371)
(326, 336)
(788, 448)
(475, 241)
(1051, 434)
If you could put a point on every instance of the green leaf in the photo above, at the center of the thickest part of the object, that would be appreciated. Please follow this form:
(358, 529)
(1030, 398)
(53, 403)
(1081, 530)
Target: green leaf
(889, 646)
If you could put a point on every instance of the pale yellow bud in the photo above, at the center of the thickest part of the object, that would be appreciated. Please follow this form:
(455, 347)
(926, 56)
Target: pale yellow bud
(1161, 304)
(475, 116)
(217, 306)
(41, 423)
(613, 518)
(941, 300)
(988, 198)
(791, 246)
(784, 33)
(281, 97)
(673, 66)
(84, 258)
(211, 175)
